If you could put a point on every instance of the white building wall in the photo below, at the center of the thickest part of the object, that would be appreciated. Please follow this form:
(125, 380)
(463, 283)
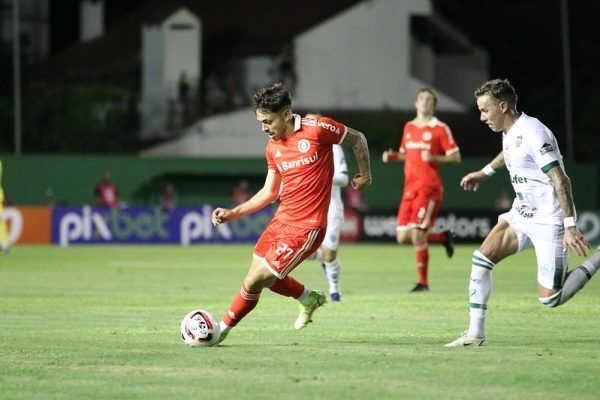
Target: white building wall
(460, 75)
(168, 50)
(154, 105)
(256, 73)
(361, 59)
(182, 33)
(91, 16)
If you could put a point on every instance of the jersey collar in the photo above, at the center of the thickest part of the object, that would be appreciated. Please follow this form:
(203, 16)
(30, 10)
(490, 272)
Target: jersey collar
(517, 123)
(297, 122)
(433, 122)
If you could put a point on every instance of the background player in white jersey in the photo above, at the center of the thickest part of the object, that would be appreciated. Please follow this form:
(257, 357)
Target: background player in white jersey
(327, 253)
(542, 216)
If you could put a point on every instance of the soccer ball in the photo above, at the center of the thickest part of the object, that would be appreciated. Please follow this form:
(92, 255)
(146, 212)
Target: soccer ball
(200, 328)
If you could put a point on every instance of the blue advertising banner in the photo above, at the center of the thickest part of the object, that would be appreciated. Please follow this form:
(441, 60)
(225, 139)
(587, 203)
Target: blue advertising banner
(139, 225)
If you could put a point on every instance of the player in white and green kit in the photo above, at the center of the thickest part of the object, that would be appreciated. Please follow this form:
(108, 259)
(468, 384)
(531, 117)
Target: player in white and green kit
(542, 215)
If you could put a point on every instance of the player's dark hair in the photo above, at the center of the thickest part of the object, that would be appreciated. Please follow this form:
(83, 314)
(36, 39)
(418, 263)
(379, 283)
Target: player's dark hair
(500, 89)
(431, 92)
(272, 98)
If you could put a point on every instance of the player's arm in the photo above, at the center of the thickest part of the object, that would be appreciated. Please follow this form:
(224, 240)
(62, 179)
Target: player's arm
(452, 158)
(357, 141)
(470, 182)
(393, 156)
(573, 239)
(263, 197)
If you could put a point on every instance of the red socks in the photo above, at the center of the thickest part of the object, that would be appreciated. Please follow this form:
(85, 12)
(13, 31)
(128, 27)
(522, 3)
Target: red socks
(436, 237)
(422, 253)
(242, 304)
(288, 286)
(245, 300)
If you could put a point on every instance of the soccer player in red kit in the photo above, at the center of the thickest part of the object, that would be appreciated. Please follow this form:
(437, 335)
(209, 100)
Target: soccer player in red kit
(299, 159)
(427, 143)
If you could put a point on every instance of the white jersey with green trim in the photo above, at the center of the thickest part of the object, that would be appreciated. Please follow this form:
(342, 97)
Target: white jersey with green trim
(530, 150)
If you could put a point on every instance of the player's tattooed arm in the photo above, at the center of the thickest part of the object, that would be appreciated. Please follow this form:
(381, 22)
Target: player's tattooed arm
(357, 141)
(562, 187)
(573, 239)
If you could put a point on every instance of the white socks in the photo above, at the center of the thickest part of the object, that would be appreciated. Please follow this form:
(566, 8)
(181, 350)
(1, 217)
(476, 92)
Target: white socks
(304, 296)
(332, 273)
(480, 289)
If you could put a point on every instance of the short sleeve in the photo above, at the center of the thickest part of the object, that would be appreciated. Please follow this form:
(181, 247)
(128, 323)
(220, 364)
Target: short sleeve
(403, 140)
(543, 150)
(447, 142)
(330, 131)
(270, 161)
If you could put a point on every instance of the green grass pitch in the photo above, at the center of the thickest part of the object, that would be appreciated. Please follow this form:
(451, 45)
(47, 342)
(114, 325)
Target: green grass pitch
(103, 322)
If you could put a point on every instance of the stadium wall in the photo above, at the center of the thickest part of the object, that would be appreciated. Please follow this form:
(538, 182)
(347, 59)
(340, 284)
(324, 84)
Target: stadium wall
(70, 180)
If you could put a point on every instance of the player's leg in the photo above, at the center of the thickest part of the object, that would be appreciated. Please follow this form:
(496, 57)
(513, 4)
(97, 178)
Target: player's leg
(3, 232)
(421, 247)
(333, 268)
(424, 211)
(331, 264)
(403, 231)
(556, 285)
(282, 248)
(257, 278)
(445, 238)
(501, 242)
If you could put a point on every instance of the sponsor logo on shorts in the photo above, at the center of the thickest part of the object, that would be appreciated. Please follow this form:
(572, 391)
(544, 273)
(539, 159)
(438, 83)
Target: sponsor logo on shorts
(524, 212)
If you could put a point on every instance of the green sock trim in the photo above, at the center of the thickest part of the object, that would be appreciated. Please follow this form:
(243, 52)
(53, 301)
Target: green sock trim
(475, 305)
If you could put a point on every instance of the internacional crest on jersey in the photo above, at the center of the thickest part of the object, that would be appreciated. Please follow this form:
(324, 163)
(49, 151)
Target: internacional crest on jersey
(305, 163)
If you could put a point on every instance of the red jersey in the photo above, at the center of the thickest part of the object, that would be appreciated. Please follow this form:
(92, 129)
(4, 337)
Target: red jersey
(435, 138)
(305, 163)
(108, 194)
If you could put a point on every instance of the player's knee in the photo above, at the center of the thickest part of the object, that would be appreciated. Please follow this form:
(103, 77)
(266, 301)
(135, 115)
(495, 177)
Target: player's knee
(551, 301)
(258, 280)
(402, 237)
(329, 257)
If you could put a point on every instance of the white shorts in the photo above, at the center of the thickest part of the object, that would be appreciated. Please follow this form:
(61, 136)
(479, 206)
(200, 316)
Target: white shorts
(335, 219)
(547, 240)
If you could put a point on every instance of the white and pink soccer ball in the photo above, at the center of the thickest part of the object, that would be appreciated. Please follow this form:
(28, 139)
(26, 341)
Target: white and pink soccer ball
(200, 328)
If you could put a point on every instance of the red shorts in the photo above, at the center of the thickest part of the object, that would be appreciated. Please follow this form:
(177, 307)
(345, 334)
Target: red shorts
(283, 247)
(419, 209)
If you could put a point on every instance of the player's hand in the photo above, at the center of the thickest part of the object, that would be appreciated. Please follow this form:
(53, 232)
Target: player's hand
(221, 215)
(470, 182)
(574, 240)
(385, 157)
(426, 156)
(360, 182)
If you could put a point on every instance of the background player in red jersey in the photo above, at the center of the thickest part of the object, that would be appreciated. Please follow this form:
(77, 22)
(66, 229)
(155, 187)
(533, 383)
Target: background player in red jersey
(426, 144)
(299, 156)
